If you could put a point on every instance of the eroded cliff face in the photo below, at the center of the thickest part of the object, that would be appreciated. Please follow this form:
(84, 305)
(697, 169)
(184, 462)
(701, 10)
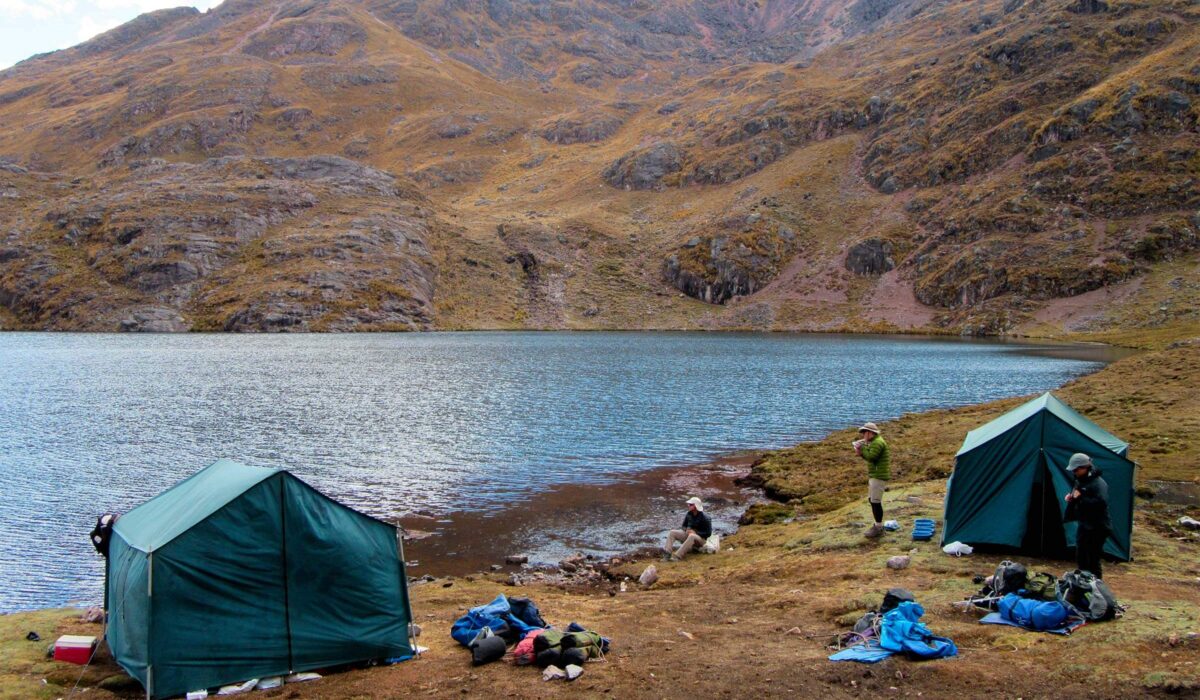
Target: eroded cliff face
(360, 164)
(234, 243)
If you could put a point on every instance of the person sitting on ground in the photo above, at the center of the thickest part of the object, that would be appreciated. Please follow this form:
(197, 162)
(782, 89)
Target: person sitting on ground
(874, 449)
(697, 528)
(1087, 504)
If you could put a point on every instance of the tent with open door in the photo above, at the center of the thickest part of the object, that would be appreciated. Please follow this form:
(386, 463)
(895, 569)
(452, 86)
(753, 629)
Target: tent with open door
(1010, 478)
(244, 572)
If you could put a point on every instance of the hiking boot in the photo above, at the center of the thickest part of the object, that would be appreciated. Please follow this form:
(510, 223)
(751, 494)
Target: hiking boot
(874, 531)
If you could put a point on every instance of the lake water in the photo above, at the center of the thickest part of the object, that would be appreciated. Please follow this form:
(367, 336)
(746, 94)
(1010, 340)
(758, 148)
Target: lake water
(441, 422)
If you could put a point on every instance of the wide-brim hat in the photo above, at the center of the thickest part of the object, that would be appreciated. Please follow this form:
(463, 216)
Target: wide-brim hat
(1078, 461)
(694, 501)
(869, 426)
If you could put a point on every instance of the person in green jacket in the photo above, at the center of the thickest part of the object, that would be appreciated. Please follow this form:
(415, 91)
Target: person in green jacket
(874, 449)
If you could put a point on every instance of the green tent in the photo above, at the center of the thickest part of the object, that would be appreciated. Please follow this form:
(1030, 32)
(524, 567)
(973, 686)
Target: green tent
(243, 572)
(1010, 478)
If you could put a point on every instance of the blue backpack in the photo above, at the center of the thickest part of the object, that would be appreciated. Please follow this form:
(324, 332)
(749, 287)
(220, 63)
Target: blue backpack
(1033, 614)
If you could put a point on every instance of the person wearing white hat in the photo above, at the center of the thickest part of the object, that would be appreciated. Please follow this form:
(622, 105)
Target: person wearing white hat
(874, 449)
(697, 528)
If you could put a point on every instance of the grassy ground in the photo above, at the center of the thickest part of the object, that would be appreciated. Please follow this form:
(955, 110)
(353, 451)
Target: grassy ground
(718, 626)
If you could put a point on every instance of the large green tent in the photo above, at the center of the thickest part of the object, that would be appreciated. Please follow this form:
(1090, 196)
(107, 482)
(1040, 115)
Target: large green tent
(243, 572)
(1010, 479)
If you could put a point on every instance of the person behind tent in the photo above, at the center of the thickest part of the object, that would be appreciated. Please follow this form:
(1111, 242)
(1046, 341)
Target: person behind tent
(697, 528)
(874, 449)
(1087, 504)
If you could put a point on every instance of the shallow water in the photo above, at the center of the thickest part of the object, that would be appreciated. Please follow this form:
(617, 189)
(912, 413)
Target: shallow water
(440, 422)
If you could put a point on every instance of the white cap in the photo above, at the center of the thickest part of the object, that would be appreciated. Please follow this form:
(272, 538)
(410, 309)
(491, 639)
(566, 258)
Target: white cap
(694, 501)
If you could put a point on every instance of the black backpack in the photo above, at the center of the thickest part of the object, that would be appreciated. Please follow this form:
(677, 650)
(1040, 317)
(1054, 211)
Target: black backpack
(1010, 577)
(895, 597)
(1087, 596)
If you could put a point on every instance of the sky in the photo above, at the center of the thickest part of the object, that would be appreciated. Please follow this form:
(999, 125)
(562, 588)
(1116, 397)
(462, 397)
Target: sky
(29, 27)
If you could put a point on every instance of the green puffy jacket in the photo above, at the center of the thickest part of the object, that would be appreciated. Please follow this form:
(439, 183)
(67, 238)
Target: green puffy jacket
(879, 458)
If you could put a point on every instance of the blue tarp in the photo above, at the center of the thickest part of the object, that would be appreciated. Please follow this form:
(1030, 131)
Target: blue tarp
(997, 619)
(862, 654)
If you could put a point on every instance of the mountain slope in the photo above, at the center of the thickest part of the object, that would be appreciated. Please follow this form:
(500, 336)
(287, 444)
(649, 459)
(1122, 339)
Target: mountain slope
(683, 164)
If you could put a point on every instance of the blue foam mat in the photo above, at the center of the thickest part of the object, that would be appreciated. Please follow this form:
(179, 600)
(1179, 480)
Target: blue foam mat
(997, 619)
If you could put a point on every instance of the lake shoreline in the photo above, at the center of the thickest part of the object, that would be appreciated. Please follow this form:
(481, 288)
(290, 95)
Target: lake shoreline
(618, 519)
(813, 571)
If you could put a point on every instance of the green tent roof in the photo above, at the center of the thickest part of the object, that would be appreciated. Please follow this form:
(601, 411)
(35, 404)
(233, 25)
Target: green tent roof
(1045, 402)
(176, 510)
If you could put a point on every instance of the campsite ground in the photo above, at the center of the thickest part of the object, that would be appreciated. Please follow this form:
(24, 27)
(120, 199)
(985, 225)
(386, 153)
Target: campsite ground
(723, 625)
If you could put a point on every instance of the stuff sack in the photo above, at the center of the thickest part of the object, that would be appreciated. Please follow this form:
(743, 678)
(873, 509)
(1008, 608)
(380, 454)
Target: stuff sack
(1087, 596)
(487, 650)
(1010, 577)
(1042, 586)
(894, 597)
(1040, 615)
(958, 549)
(712, 545)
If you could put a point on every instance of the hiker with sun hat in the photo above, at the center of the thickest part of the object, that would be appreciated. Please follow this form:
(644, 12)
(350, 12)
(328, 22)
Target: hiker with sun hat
(697, 528)
(874, 449)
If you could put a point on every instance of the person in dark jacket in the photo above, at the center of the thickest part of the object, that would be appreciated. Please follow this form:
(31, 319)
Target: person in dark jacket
(1087, 504)
(697, 528)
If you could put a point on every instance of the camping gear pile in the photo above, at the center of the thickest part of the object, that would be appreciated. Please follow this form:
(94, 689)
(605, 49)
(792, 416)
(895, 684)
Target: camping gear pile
(488, 631)
(894, 629)
(1042, 602)
(245, 572)
(1010, 477)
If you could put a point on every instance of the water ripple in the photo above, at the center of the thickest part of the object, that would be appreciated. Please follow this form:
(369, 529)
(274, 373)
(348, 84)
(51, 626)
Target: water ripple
(391, 423)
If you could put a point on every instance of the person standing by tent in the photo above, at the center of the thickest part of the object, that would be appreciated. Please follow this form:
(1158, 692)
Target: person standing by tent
(874, 449)
(1087, 504)
(697, 528)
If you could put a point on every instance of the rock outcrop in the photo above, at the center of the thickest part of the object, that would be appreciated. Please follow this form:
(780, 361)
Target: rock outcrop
(645, 169)
(227, 244)
(741, 256)
(871, 257)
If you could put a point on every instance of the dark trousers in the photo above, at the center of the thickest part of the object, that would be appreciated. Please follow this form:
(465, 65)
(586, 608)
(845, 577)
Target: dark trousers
(1089, 545)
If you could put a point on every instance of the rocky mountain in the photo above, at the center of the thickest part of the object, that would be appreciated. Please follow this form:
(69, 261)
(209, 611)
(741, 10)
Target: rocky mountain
(984, 167)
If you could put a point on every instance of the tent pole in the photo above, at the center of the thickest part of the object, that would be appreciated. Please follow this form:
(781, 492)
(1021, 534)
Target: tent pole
(150, 626)
(1042, 506)
(412, 641)
(287, 608)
